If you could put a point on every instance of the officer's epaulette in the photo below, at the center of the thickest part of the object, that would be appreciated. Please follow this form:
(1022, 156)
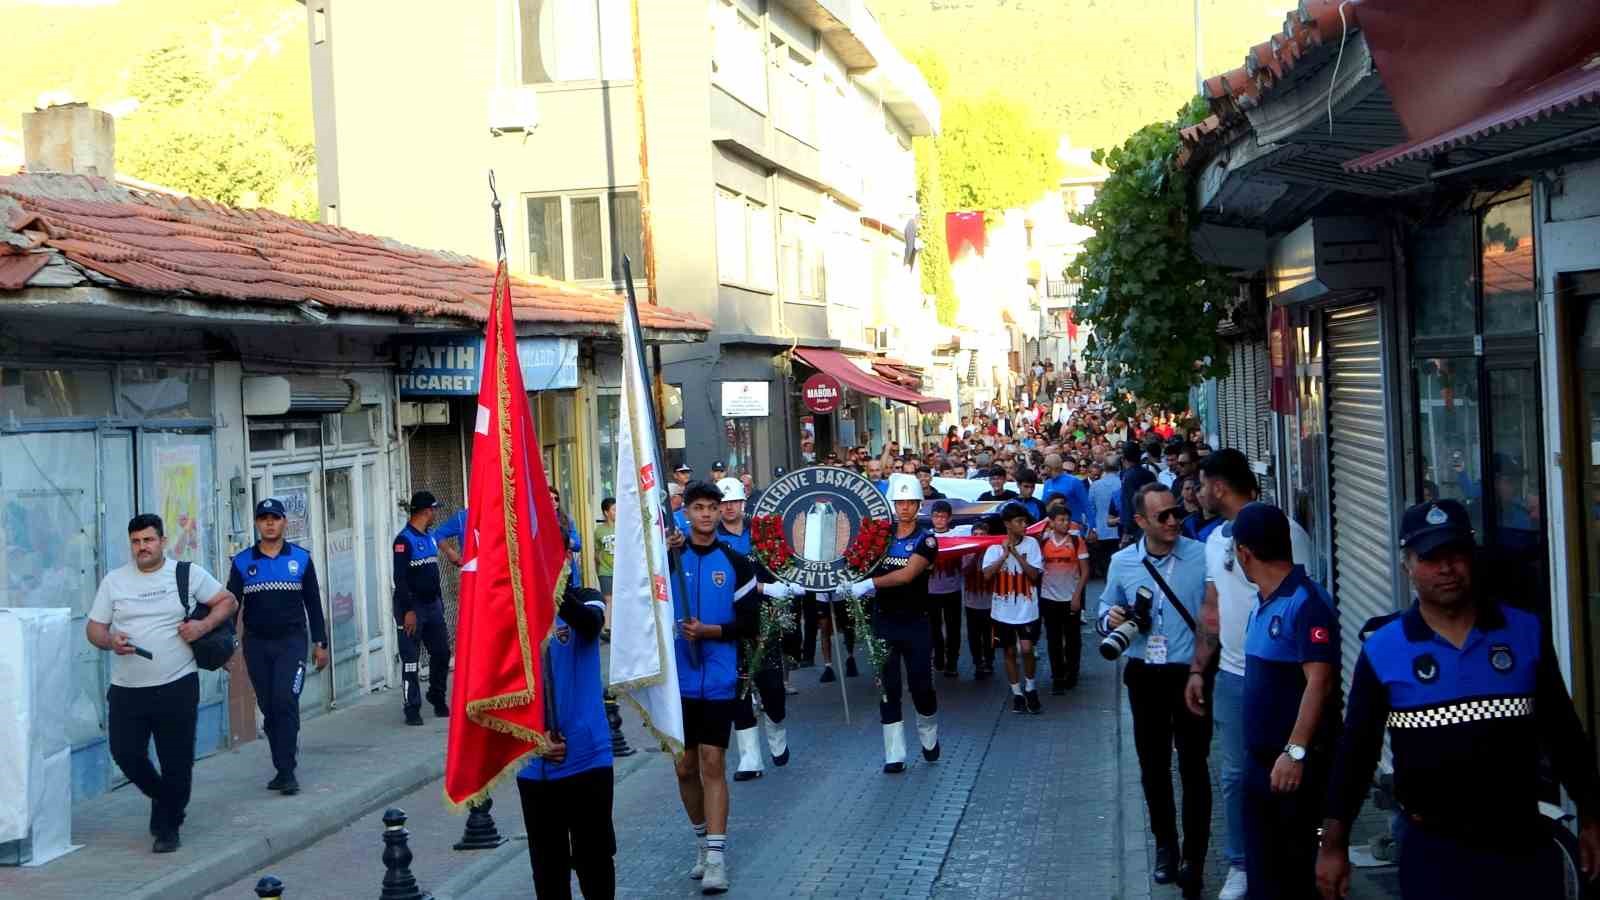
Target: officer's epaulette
(1376, 622)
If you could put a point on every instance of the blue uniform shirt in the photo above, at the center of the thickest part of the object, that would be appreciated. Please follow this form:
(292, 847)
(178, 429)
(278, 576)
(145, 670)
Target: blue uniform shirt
(1184, 570)
(454, 527)
(1197, 526)
(739, 542)
(1074, 491)
(279, 593)
(580, 703)
(1297, 624)
(416, 572)
(718, 588)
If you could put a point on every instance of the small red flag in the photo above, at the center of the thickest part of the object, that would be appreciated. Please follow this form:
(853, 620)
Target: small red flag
(1319, 635)
(513, 574)
(1072, 327)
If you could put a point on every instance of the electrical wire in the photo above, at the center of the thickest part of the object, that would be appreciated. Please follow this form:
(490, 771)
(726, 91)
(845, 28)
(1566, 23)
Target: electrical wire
(1344, 33)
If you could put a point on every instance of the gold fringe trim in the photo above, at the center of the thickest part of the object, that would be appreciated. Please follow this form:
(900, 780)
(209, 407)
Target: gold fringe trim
(668, 743)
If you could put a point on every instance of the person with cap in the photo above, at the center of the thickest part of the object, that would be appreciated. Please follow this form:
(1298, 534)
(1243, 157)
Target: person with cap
(1166, 571)
(276, 583)
(1291, 706)
(899, 619)
(680, 517)
(682, 474)
(419, 610)
(944, 597)
(718, 608)
(763, 676)
(1013, 568)
(1461, 681)
(719, 471)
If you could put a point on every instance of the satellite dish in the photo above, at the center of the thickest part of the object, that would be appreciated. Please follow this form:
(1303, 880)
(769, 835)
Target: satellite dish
(912, 244)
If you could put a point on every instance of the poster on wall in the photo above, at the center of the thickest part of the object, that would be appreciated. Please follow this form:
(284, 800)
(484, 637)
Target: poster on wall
(178, 484)
(297, 504)
(342, 586)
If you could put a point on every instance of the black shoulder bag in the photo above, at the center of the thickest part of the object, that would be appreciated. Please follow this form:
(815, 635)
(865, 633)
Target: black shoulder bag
(1171, 597)
(214, 648)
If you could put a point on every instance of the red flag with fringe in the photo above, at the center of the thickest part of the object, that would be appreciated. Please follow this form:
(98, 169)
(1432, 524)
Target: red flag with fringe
(514, 571)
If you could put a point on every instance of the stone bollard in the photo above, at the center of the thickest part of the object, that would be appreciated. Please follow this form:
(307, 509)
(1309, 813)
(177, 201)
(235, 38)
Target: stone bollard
(269, 886)
(619, 744)
(480, 833)
(398, 882)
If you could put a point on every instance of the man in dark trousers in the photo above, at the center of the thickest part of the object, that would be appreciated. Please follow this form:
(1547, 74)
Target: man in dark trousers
(419, 610)
(1134, 477)
(566, 794)
(276, 583)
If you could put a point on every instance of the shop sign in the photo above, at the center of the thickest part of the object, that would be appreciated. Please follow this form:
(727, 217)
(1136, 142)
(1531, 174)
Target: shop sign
(448, 365)
(821, 393)
(744, 399)
(817, 513)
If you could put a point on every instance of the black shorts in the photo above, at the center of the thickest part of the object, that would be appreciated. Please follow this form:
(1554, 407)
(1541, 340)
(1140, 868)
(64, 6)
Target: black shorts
(708, 722)
(1007, 634)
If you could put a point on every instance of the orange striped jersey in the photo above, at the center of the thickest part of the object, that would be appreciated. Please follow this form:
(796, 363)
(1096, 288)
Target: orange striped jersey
(1062, 565)
(1015, 596)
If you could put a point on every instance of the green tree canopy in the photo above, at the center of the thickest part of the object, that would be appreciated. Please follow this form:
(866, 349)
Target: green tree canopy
(1153, 305)
(994, 154)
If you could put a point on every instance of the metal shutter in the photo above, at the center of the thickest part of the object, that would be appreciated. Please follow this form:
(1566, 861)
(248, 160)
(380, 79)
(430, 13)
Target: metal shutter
(436, 465)
(1358, 479)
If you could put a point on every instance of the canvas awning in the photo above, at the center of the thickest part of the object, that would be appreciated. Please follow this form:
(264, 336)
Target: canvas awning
(836, 364)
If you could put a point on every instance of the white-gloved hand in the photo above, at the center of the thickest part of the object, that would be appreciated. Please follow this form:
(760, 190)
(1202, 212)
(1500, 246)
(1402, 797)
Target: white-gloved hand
(778, 590)
(863, 588)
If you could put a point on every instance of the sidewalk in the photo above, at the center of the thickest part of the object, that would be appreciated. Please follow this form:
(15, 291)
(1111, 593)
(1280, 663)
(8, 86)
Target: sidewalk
(352, 761)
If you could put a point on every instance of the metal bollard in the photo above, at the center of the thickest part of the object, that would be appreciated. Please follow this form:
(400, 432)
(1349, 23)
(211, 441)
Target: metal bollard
(480, 833)
(269, 886)
(619, 744)
(398, 882)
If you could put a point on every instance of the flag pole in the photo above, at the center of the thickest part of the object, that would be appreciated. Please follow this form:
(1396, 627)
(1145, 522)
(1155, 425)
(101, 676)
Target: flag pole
(647, 239)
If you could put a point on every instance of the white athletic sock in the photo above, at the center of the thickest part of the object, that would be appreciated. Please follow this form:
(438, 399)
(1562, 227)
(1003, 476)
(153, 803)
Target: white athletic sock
(1028, 684)
(715, 843)
(1016, 689)
(700, 833)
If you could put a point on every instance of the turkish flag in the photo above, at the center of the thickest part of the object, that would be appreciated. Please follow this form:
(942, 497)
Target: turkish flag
(514, 572)
(1072, 327)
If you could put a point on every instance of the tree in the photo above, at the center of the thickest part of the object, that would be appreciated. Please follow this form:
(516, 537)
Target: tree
(931, 207)
(1153, 305)
(993, 154)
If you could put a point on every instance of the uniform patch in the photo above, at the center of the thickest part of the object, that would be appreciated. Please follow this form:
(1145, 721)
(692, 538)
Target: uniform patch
(932, 543)
(719, 578)
(1275, 628)
(250, 572)
(294, 566)
(1501, 659)
(1437, 516)
(299, 679)
(563, 634)
(1425, 668)
(1319, 635)
(399, 548)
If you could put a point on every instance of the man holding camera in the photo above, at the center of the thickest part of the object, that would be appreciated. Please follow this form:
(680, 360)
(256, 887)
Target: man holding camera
(1154, 588)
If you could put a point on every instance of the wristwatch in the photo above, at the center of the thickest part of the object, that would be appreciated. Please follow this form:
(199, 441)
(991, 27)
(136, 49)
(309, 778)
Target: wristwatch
(1295, 752)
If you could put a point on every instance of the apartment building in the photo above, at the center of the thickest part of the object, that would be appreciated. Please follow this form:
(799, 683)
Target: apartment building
(781, 180)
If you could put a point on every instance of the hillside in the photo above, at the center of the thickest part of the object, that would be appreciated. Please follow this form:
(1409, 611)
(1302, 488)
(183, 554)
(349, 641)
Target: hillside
(212, 97)
(1095, 70)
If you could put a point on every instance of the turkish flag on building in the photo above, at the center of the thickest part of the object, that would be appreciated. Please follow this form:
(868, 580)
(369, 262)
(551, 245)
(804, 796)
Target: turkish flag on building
(1072, 328)
(514, 572)
(963, 229)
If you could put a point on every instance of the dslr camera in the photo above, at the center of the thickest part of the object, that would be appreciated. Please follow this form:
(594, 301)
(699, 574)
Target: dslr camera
(1116, 643)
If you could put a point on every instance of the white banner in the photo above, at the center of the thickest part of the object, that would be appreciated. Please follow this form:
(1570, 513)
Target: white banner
(643, 660)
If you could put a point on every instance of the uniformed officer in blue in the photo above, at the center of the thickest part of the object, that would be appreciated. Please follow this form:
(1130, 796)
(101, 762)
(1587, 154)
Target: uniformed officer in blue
(276, 584)
(1156, 673)
(1471, 694)
(419, 610)
(1291, 706)
(718, 607)
(900, 619)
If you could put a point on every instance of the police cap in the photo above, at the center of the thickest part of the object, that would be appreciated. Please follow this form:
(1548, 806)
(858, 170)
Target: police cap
(1428, 527)
(422, 500)
(271, 506)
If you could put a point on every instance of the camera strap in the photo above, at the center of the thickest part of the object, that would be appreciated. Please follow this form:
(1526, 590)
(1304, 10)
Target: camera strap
(1171, 597)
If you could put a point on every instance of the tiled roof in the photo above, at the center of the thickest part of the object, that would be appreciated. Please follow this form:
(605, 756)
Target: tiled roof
(150, 241)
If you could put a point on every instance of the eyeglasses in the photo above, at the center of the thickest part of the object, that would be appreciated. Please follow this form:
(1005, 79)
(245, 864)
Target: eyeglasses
(1169, 515)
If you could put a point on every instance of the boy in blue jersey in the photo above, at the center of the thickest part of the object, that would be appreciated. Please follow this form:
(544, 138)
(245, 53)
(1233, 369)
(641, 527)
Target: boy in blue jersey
(718, 606)
(276, 583)
(566, 794)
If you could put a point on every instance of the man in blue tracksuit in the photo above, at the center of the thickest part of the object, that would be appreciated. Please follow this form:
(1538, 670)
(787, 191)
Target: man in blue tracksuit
(276, 584)
(718, 604)
(419, 610)
(566, 794)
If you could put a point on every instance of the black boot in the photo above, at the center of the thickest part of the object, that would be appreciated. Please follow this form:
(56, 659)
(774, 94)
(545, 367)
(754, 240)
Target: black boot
(850, 670)
(1166, 868)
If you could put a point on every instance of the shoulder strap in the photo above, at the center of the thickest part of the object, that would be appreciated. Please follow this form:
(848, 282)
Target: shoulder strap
(183, 585)
(1183, 611)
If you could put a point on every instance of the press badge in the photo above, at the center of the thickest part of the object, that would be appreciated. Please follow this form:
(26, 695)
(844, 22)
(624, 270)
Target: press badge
(1155, 650)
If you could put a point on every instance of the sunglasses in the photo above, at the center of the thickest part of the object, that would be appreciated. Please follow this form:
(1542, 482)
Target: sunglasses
(1169, 515)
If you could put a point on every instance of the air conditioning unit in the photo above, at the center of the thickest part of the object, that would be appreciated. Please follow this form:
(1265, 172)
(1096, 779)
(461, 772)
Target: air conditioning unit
(513, 109)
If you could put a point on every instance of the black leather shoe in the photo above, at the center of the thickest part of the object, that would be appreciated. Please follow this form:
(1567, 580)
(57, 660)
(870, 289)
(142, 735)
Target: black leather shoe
(276, 784)
(1190, 877)
(827, 675)
(440, 711)
(850, 670)
(781, 759)
(1034, 706)
(893, 768)
(413, 717)
(931, 755)
(1018, 705)
(288, 786)
(1166, 868)
(746, 776)
(1058, 688)
(166, 843)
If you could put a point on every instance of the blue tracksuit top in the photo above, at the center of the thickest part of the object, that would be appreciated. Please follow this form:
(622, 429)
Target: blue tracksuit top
(717, 587)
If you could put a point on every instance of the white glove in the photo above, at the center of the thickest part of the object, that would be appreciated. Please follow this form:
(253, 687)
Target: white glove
(779, 590)
(863, 588)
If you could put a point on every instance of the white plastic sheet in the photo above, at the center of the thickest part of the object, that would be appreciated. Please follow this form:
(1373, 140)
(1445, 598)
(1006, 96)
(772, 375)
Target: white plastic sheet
(35, 753)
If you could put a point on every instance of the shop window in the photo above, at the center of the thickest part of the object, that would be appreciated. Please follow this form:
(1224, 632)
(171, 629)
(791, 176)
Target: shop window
(1510, 294)
(163, 392)
(546, 253)
(33, 394)
(1443, 283)
(267, 439)
(607, 408)
(1447, 424)
(585, 236)
(740, 436)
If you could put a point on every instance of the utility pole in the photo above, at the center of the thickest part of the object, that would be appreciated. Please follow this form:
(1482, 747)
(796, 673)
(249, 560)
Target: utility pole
(648, 241)
(1199, 61)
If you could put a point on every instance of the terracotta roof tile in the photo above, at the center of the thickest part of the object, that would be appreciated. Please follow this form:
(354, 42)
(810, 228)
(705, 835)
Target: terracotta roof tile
(157, 242)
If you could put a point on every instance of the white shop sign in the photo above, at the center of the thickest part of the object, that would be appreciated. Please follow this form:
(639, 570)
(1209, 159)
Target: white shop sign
(744, 399)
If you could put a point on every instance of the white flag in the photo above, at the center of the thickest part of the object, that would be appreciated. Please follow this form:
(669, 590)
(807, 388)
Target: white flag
(644, 666)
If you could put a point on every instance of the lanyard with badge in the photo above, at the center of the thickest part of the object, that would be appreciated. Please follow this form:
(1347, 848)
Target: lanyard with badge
(1155, 647)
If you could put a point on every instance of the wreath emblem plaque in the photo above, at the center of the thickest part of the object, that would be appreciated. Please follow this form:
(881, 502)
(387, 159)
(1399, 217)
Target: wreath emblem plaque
(820, 528)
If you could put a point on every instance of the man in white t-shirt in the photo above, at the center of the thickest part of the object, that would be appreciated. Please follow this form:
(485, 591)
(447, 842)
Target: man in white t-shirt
(155, 685)
(1226, 486)
(1013, 568)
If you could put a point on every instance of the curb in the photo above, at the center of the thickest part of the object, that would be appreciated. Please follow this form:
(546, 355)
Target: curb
(464, 880)
(1133, 872)
(201, 877)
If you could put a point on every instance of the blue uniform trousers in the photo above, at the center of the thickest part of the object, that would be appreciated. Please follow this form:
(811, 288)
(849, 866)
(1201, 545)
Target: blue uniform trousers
(1436, 866)
(277, 668)
(435, 635)
(1280, 830)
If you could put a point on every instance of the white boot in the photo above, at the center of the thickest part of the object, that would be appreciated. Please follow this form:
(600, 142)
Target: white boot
(894, 748)
(750, 763)
(777, 740)
(928, 734)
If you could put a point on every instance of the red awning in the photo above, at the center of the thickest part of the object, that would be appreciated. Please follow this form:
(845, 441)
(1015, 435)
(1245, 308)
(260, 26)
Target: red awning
(1576, 87)
(832, 362)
